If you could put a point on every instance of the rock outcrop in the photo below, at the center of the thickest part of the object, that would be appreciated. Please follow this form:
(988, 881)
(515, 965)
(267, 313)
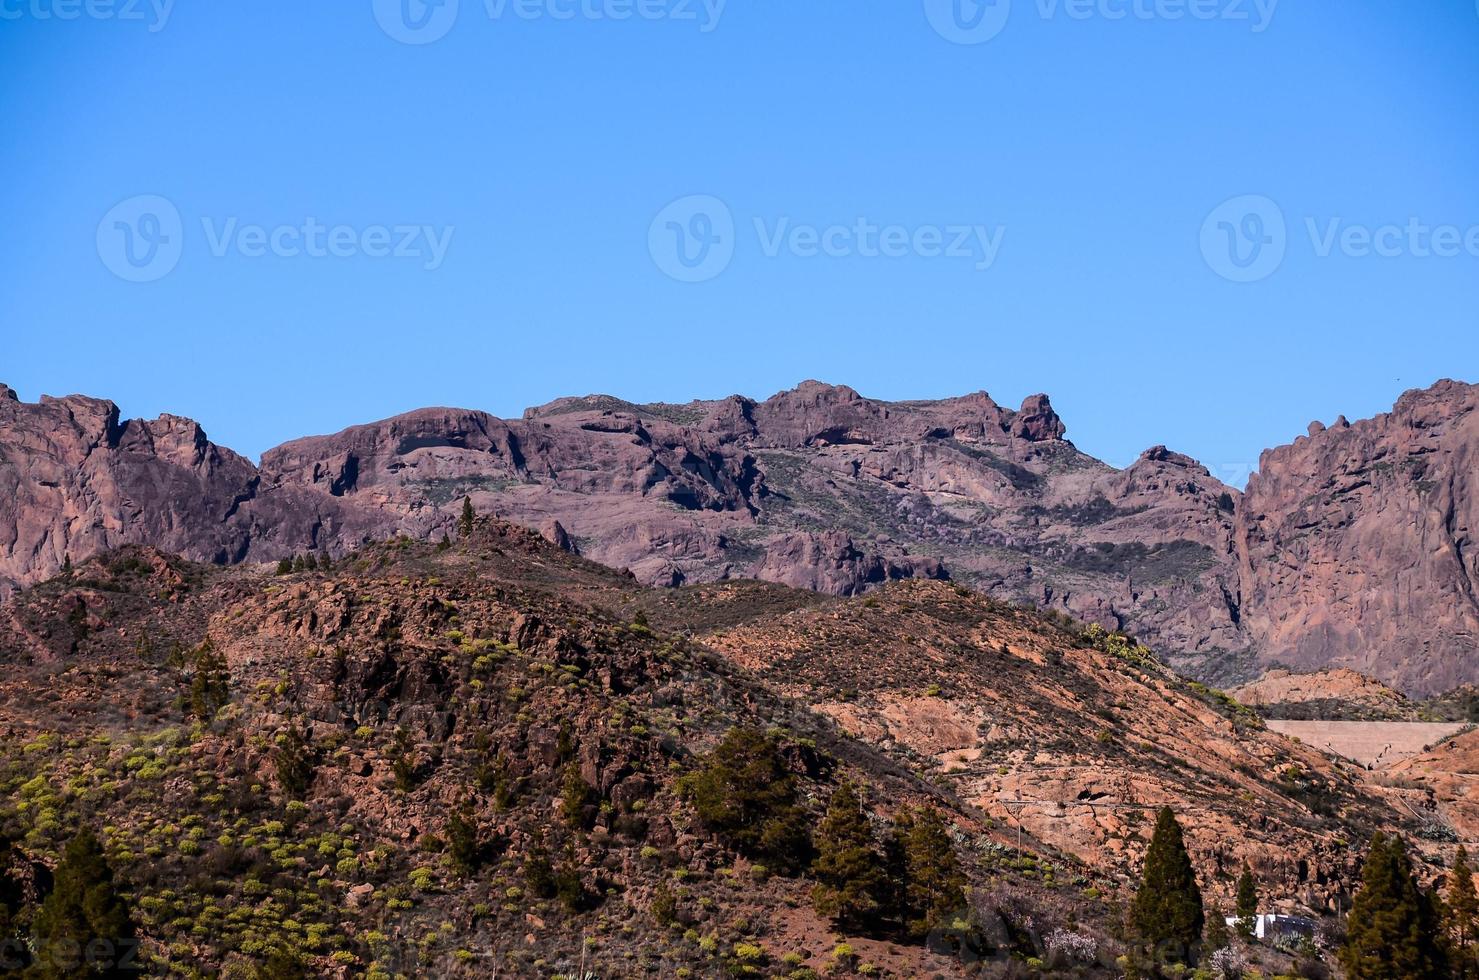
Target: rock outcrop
(1353, 546)
(1356, 545)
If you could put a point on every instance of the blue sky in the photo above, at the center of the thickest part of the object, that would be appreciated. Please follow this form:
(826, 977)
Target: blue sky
(504, 204)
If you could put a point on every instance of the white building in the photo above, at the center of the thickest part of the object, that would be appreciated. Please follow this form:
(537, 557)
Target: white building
(1270, 925)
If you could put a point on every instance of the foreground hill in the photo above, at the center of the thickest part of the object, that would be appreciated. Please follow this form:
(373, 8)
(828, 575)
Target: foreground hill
(278, 763)
(1352, 547)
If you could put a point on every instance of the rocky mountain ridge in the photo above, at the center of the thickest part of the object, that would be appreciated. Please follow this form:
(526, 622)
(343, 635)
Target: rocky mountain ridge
(1351, 548)
(285, 764)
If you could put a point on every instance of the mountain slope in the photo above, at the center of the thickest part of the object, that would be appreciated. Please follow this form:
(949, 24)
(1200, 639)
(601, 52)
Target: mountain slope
(349, 713)
(1352, 548)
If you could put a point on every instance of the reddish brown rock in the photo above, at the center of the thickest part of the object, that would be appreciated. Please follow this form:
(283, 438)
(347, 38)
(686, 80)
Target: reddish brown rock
(1353, 548)
(834, 564)
(1357, 545)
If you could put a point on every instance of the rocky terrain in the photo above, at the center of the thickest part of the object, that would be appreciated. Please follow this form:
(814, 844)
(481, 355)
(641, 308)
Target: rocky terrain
(1352, 547)
(274, 762)
(1356, 545)
(1333, 695)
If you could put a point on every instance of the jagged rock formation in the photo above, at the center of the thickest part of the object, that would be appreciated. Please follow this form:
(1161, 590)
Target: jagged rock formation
(1352, 548)
(1356, 545)
(283, 754)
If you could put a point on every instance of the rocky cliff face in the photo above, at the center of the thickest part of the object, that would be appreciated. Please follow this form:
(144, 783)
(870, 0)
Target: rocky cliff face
(75, 480)
(1356, 544)
(1352, 547)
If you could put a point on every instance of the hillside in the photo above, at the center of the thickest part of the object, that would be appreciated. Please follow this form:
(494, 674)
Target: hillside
(1351, 549)
(361, 707)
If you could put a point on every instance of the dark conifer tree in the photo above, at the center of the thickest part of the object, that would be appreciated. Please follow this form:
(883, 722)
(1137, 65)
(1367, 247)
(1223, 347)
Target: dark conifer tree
(1247, 907)
(84, 913)
(463, 847)
(1394, 931)
(1167, 914)
(469, 518)
(294, 762)
(210, 684)
(576, 797)
(1463, 915)
(848, 868)
(744, 792)
(932, 886)
(1217, 936)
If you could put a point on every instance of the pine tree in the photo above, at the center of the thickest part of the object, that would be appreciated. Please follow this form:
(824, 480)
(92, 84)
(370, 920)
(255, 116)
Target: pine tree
(1217, 937)
(539, 874)
(576, 796)
(12, 901)
(1463, 911)
(462, 840)
(469, 518)
(1167, 914)
(403, 761)
(1247, 906)
(293, 760)
(932, 888)
(299, 565)
(849, 867)
(311, 562)
(210, 685)
(84, 912)
(1393, 930)
(285, 567)
(744, 792)
(664, 905)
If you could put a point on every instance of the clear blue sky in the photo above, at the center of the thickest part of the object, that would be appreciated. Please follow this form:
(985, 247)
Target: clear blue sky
(1096, 146)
